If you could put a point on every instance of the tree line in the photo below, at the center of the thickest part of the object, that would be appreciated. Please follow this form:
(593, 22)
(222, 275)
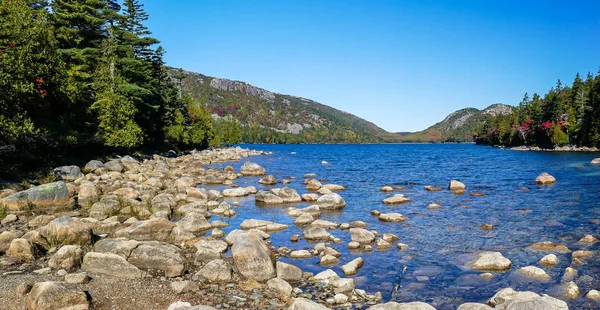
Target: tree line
(566, 115)
(81, 76)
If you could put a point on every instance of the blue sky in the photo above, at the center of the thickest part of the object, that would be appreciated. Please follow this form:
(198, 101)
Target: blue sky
(403, 64)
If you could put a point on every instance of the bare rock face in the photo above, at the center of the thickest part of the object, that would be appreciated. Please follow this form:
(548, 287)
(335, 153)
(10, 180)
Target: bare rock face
(56, 296)
(491, 261)
(229, 85)
(544, 179)
(47, 195)
(250, 169)
(252, 257)
(67, 230)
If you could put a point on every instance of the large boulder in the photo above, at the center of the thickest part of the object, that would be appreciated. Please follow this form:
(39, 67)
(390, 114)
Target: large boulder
(44, 196)
(510, 299)
(544, 179)
(392, 217)
(158, 259)
(416, 305)
(288, 195)
(456, 186)
(67, 230)
(216, 270)
(262, 225)
(235, 192)
(152, 229)
(361, 235)
(194, 222)
(88, 194)
(68, 257)
(289, 273)
(534, 273)
(491, 261)
(314, 233)
(208, 250)
(56, 296)
(111, 264)
(22, 249)
(268, 198)
(268, 180)
(595, 161)
(92, 165)
(67, 173)
(396, 199)
(331, 201)
(250, 168)
(306, 304)
(351, 268)
(252, 257)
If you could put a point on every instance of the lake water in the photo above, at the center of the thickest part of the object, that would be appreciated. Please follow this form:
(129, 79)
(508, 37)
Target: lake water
(442, 240)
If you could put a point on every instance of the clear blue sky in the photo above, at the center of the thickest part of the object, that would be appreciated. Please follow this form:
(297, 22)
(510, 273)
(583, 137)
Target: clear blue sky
(403, 64)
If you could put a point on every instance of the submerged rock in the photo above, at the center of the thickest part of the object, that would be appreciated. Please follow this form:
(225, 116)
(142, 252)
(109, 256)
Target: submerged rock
(534, 273)
(397, 199)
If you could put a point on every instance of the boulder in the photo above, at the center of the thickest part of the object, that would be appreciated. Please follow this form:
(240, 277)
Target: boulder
(289, 273)
(595, 161)
(194, 222)
(351, 268)
(316, 233)
(40, 220)
(216, 270)
(110, 264)
(268, 198)
(588, 239)
(304, 219)
(549, 247)
(67, 173)
(252, 257)
(310, 197)
(510, 299)
(208, 250)
(571, 290)
(549, 260)
(416, 305)
(268, 180)
(491, 261)
(456, 185)
(306, 304)
(186, 286)
(387, 189)
(544, 179)
(301, 254)
(67, 230)
(9, 219)
(534, 273)
(361, 235)
(250, 169)
(88, 194)
(56, 296)
(119, 246)
(289, 195)
(235, 192)
(392, 217)
(158, 258)
(397, 199)
(593, 295)
(474, 306)
(280, 286)
(331, 201)
(47, 195)
(92, 165)
(313, 185)
(325, 224)
(104, 208)
(77, 278)
(333, 187)
(430, 188)
(153, 229)
(68, 257)
(22, 248)
(262, 225)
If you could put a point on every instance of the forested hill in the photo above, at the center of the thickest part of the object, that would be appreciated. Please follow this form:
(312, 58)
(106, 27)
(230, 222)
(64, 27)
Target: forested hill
(266, 116)
(459, 126)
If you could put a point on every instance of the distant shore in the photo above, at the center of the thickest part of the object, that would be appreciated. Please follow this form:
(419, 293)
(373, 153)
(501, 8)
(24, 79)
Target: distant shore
(569, 148)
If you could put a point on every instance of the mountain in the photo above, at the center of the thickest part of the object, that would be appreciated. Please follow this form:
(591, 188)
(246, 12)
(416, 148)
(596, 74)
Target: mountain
(271, 117)
(458, 126)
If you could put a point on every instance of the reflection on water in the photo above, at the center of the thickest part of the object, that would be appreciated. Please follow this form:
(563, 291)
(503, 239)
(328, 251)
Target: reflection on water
(442, 241)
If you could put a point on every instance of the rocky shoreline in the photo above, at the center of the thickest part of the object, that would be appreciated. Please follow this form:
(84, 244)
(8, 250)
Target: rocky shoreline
(136, 234)
(568, 148)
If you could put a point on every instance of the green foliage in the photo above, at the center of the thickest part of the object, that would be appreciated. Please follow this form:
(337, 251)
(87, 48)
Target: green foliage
(228, 130)
(558, 137)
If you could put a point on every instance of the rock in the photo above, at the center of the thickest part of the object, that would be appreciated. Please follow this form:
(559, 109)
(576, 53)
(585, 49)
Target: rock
(351, 268)
(510, 299)
(333, 187)
(331, 201)
(361, 235)
(304, 219)
(47, 195)
(280, 286)
(56, 296)
(325, 224)
(92, 165)
(288, 195)
(77, 278)
(533, 272)
(40, 220)
(313, 185)
(387, 189)
(67, 173)
(268, 198)
(571, 290)
(390, 237)
(289, 273)
(434, 206)
(595, 161)
(343, 285)
(152, 229)
(340, 299)
(310, 197)
(582, 254)
(208, 250)
(397, 199)
(88, 194)
(217, 233)
(353, 245)
(549, 246)
(316, 234)
(235, 192)
(313, 210)
(216, 270)
(102, 209)
(306, 304)
(486, 226)
(10, 218)
(163, 202)
(570, 274)
(262, 225)
(403, 306)
(22, 249)
(115, 165)
(68, 257)
(474, 306)
(549, 260)
(158, 258)
(268, 180)
(250, 169)
(180, 287)
(456, 186)
(588, 239)
(295, 238)
(194, 222)
(593, 295)
(67, 230)
(382, 244)
(224, 210)
(300, 254)
(252, 257)
(392, 217)
(328, 260)
(491, 261)
(430, 188)
(110, 264)
(544, 179)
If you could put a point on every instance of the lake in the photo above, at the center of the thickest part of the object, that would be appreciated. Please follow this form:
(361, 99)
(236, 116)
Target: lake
(441, 241)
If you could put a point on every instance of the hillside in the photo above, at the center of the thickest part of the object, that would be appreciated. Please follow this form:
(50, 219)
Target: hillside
(458, 126)
(271, 117)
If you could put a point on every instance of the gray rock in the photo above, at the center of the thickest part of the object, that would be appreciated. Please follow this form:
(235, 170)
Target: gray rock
(250, 169)
(351, 268)
(68, 257)
(208, 250)
(115, 165)
(47, 195)
(280, 286)
(111, 264)
(67, 230)
(306, 304)
(252, 257)
(186, 286)
(55, 295)
(67, 173)
(288, 195)
(403, 306)
(289, 273)
(491, 261)
(510, 299)
(544, 179)
(361, 235)
(268, 180)
(194, 222)
(331, 201)
(92, 165)
(158, 258)
(268, 198)
(216, 270)
(77, 278)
